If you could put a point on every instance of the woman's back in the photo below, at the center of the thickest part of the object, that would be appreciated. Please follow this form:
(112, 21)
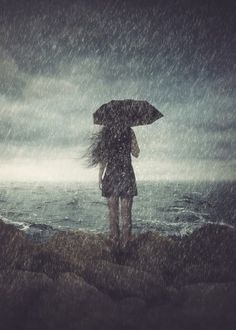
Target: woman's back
(118, 145)
(119, 178)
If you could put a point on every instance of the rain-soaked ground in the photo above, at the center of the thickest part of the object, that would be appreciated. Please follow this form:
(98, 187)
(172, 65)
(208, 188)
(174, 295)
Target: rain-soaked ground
(172, 208)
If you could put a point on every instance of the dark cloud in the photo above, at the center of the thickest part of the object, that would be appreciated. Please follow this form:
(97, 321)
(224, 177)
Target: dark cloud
(174, 37)
(59, 61)
(12, 82)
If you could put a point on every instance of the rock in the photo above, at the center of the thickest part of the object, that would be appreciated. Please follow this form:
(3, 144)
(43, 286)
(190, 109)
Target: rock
(17, 252)
(203, 272)
(79, 246)
(87, 255)
(211, 304)
(132, 313)
(155, 254)
(79, 284)
(19, 291)
(201, 306)
(115, 280)
(47, 262)
(15, 249)
(208, 254)
(71, 303)
(40, 233)
(164, 318)
(123, 281)
(212, 298)
(92, 259)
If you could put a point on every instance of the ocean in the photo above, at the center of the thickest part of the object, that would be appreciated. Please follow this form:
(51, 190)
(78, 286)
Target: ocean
(171, 208)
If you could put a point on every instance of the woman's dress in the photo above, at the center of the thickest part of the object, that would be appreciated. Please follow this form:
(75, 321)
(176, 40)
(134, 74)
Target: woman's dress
(119, 178)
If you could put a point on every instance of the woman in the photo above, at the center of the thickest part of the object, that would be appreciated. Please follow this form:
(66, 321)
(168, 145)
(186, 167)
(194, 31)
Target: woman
(111, 148)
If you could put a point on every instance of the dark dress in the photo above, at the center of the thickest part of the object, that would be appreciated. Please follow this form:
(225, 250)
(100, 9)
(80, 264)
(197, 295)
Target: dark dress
(119, 178)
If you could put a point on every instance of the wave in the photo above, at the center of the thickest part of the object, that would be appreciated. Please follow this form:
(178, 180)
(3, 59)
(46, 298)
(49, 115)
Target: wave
(38, 232)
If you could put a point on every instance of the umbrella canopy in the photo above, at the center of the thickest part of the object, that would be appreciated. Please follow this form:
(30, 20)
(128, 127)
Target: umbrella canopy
(126, 112)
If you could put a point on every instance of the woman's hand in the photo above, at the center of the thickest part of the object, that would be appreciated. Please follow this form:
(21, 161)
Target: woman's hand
(100, 174)
(100, 184)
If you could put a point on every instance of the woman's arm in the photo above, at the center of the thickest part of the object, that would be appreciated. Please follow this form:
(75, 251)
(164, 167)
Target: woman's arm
(134, 145)
(101, 170)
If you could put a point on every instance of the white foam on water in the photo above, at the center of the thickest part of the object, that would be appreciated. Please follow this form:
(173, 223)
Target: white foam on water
(154, 208)
(20, 225)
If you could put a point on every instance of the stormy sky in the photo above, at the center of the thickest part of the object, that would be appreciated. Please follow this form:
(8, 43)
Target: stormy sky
(61, 60)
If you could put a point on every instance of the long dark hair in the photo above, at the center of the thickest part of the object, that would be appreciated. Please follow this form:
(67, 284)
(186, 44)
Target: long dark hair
(104, 143)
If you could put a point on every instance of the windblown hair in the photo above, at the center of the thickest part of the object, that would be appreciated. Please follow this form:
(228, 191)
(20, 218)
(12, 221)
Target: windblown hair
(104, 143)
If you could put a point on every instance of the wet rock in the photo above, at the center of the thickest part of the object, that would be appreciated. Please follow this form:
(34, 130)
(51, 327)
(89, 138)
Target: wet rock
(71, 303)
(19, 291)
(124, 281)
(47, 262)
(76, 277)
(155, 254)
(116, 280)
(165, 317)
(77, 246)
(206, 306)
(208, 254)
(14, 246)
(17, 252)
(214, 298)
(211, 303)
(132, 313)
(203, 272)
(40, 232)
(211, 243)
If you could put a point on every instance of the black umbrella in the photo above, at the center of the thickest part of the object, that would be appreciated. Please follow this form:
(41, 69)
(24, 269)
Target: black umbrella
(126, 112)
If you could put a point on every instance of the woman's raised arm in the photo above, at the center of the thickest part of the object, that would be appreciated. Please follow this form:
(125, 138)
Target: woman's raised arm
(134, 145)
(102, 166)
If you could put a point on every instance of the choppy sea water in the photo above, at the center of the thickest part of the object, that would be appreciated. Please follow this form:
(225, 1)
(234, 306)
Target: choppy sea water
(171, 208)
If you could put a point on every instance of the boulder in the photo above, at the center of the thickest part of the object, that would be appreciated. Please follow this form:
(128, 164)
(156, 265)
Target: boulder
(113, 279)
(209, 244)
(155, 254)
(204, 272)
(132, 313)
(13, 244)
(74, 281)
(48, 262)
(123, 281)
(19, 291)
(205, 306)
(211, 298)
(78, 246)
(71, 303)
(208, 254)
(18, 252)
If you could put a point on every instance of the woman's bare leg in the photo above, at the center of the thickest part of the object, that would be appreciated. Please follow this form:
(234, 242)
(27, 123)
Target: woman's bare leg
(126, 216)
(113, 205)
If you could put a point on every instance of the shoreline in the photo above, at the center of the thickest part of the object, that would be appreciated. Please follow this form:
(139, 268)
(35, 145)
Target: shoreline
(42, 232)
(94, 182)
